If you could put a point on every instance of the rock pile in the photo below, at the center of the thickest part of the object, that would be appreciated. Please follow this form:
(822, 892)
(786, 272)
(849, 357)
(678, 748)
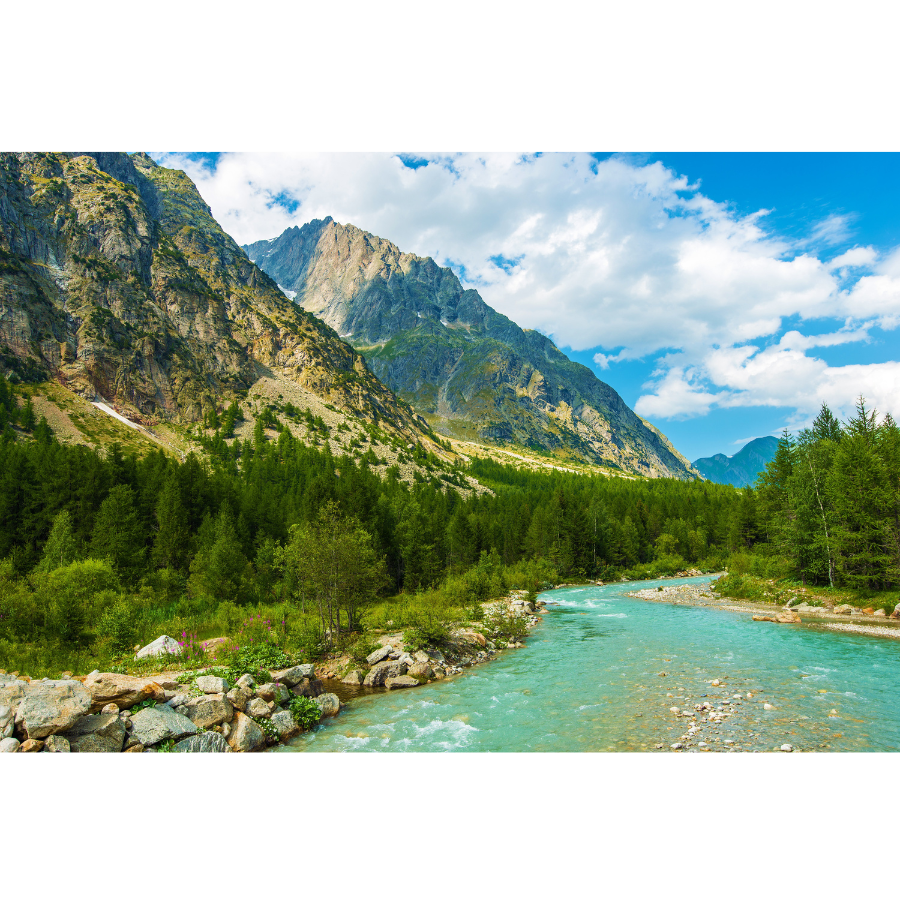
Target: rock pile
(111, 713)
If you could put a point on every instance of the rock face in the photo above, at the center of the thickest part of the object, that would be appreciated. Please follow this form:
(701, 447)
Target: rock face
(329, 704)
(102, 733)
(122, 690)
(245, 734)
(52, 707)
(452, 357)
(209, 710)
(162, 646)
(116, 279)
(205, 742)
(160, 723)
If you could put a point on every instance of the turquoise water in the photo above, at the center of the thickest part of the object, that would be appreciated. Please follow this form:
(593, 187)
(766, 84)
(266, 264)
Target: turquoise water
(602, 671)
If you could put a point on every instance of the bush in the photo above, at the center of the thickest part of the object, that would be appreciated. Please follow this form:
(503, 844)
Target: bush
(119, 627)
(305, 711)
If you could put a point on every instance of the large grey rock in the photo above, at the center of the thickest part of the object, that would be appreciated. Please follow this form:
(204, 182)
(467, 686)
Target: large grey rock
(246, 682)
(162, 645)
(205, 742)
(273, 692)
(57, 744)
(400, 681)
(212, 709)
(421, 670)
(124, 691)
(420, 656)
(354, 676)
(843, 609)
(210, 684)
(396, 669)
(12, 693)
(101, 733)
(308, 687)
(258, 708)
(295, 674)
(52, 707)
(238, 697)
(9, 745)
(245, 734)
(377, 674)
(378, 655)
(285, 725)
(7, 721)
(330, 704)
(160, 723)
(7, 679)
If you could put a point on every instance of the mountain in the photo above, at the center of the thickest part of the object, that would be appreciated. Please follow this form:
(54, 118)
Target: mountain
(470, 371)
(116, 280)
(742, 468)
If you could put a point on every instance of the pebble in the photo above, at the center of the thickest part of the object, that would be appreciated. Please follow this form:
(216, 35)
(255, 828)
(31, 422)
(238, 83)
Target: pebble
(768, 706)
(677, 745)
(787, 748)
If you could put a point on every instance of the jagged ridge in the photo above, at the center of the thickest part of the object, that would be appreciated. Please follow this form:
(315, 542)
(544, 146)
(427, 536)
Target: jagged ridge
(468, 369)
(116, 279)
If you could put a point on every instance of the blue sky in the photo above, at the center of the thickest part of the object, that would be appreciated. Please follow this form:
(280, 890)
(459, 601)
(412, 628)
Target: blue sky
(723, 295)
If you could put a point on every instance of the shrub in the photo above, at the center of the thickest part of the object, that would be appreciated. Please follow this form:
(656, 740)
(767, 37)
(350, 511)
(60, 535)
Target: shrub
(305, 711)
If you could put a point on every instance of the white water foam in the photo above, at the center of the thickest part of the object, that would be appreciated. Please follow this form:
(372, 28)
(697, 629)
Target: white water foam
(611, 615)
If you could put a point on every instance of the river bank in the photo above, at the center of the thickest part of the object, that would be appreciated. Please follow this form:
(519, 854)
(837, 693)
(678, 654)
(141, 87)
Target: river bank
(201, 711)
(797, 611)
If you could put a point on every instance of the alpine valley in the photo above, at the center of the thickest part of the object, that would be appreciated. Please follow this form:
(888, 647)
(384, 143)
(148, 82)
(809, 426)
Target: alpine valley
(472, 373)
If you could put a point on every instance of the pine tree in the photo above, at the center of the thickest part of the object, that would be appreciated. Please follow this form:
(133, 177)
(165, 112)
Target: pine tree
(118, 535)
(61, 547)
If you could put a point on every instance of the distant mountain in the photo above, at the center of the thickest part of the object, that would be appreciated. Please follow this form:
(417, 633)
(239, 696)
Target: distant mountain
(742, 468)
(470, 371)
(115, 279)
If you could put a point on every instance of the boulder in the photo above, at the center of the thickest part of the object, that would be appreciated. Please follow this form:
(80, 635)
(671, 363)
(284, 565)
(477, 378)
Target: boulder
(420, 656)
(57, 744)
(421, 671)
(9, 745)
(205, 742)
(245, 734)
(247, 683)
(285, 725)
(379, 655)
(843, 610)
(400, 681)
(896, 612)
(7, 721)
(354, 676)
(294, 675)
(160, 723)
(161, 646)
(868, 610)
(110, 709)
(238, 697)
(123, 690)
(377, 674)
(52, 707)
(436, 655)
(880, 613)
(439, 672)
(6, 679)
(473, 638)
(396, 669)
(135, 748)
(12, 693)
(209, 710)
(309, 687)
(258, 708)
(274, 692)
(32, 745)
(329, 704)
(100, 733)
(210, 684)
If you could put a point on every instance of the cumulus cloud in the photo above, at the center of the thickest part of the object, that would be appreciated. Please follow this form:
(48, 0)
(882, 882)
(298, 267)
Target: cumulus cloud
(611, 255)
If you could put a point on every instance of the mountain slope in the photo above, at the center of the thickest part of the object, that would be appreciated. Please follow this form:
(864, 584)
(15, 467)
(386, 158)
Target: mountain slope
(469, 370)
(742, 468)
(116, 280)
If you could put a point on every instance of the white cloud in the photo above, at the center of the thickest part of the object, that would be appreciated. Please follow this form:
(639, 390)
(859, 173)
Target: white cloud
(609, 255)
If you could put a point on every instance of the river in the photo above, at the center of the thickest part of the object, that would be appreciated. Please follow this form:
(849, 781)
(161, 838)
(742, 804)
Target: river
(603, 670)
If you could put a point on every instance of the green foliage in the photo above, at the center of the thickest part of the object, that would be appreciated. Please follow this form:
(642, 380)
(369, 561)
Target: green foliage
(61, 547)
(503, 624)
(306, 712)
